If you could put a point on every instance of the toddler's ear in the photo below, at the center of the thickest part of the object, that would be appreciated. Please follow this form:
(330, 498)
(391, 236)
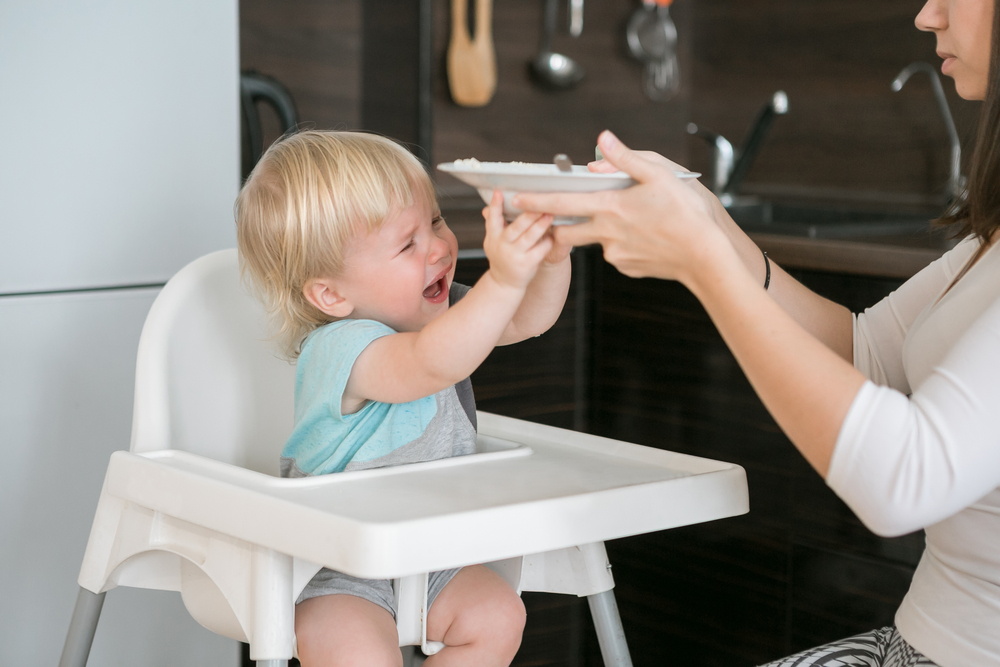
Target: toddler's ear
(323, 294)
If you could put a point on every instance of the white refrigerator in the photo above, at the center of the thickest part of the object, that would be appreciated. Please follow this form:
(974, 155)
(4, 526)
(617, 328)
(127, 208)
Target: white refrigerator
(119, 163)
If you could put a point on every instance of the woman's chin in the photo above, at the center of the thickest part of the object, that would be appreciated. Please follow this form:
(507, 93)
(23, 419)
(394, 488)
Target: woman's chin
(969, 90)
(972, 96)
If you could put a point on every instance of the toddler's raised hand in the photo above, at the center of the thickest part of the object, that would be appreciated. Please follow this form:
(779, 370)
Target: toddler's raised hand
(515, 250)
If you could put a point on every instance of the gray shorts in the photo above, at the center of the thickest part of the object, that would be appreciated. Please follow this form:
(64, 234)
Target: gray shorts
(379, 591)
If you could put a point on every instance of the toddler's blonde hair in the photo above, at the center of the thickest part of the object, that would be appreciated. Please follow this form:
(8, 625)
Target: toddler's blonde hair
(312, 193)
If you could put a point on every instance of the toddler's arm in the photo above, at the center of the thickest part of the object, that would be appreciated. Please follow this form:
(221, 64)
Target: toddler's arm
(406, 366)
(546, 294)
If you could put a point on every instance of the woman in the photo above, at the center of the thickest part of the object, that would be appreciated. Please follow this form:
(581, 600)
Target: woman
(899, 407)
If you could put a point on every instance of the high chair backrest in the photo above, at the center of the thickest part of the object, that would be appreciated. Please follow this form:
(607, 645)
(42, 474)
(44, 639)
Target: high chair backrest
(208, 379)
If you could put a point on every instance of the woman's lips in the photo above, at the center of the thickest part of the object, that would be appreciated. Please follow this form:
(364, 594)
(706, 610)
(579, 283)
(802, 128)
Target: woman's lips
(949, 62)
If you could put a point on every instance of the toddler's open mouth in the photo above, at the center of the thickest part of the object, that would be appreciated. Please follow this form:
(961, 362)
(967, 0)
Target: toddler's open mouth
(437, 291)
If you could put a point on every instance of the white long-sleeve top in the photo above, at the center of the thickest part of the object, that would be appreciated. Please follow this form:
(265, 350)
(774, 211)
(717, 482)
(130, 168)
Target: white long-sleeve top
(920, 448)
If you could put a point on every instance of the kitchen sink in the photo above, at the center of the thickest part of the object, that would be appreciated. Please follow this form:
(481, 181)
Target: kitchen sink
(831, 221)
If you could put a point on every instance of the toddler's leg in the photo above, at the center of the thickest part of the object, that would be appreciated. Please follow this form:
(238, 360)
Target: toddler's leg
(345, 631)
(479, 618)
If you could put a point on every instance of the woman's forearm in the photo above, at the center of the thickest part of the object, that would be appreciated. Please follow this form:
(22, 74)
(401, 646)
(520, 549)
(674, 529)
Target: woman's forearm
(794, 346)
(829, 322)
(805, 385)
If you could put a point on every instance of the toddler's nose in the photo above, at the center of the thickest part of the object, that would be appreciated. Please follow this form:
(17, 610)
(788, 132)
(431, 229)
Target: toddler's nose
(439, 249)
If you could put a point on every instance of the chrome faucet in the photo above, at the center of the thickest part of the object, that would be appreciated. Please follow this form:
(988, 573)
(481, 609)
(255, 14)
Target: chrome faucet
(956, 182)
(731, 166)
(724, 153)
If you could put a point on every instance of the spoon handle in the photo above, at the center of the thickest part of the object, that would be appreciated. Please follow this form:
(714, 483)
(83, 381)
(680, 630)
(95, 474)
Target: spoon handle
(484, 19)
(575, 17)
(459, 22)
(551, 17)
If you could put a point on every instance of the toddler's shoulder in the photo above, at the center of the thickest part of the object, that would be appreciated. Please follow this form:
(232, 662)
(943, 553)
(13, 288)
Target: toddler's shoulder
(343, 334)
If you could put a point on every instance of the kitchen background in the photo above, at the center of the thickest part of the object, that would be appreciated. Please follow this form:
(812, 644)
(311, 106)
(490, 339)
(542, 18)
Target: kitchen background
(834, 58)
(633, 359)
(639, 360)
(119, 123)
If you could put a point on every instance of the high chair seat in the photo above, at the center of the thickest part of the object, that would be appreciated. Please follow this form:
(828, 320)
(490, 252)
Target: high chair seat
(195, 506)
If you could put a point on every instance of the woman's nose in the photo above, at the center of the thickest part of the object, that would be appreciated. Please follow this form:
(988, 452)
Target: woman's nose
(933, 17)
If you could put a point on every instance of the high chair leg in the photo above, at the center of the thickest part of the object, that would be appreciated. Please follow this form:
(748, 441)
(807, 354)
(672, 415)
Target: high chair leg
(412, 657)
(273, 631)
(610, 634)
(82, 627)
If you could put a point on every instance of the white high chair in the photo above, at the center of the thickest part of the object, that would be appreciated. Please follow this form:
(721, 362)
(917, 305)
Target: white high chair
(195, 506)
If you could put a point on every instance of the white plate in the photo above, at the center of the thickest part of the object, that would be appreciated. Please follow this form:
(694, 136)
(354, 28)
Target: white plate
(514, 177)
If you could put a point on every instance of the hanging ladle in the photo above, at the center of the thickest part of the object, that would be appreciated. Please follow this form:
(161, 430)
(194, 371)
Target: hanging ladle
(554, 70)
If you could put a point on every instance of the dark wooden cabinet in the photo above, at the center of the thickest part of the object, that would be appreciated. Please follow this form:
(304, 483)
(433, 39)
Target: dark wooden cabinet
(797, 571)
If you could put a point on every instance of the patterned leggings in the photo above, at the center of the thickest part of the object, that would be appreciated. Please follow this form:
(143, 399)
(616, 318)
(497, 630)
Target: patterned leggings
(878, 648)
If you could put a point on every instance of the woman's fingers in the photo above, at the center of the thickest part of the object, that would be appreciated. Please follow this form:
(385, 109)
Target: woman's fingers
(601, 167)
(605, 167)
(574, 204)
(625, 159)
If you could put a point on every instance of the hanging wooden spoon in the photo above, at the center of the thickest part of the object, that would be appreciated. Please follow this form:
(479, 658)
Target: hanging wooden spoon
(472, 66)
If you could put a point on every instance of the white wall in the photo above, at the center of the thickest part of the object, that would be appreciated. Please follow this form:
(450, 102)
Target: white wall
(65, 405)
(119, 163)
(119, 139)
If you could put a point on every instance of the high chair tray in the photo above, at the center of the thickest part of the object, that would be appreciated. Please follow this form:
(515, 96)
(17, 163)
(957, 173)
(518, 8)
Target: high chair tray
(547, 489)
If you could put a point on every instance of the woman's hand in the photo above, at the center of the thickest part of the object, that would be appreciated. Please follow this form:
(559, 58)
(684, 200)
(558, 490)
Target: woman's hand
(516, 250)
(662, 227)
(719, 213)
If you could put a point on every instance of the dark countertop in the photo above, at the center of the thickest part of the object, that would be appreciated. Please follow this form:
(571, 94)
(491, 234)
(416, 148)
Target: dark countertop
(885, 256)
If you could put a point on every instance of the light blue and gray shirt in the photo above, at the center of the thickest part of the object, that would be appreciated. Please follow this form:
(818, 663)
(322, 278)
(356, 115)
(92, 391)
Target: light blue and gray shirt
(379, 434)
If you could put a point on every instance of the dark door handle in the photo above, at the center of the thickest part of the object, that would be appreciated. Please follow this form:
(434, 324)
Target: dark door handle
(254, 88)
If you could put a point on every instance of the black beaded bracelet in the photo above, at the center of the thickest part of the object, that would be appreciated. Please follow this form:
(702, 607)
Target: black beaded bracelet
(767, 267)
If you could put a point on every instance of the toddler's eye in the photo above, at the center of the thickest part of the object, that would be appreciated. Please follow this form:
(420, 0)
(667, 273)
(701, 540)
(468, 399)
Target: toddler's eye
(409, 244)
(438, 220)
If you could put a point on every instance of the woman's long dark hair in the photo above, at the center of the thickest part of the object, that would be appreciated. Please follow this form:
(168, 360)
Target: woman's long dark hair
(979, 211)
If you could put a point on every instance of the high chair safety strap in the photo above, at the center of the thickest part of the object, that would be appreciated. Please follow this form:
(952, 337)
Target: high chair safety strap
(411, 613)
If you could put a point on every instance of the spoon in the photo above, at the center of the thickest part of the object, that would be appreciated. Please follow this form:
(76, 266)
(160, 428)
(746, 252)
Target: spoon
(563, 162)
(554, 70)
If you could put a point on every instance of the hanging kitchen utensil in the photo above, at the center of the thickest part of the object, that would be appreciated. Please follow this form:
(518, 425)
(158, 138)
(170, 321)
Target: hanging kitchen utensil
(472, 65)
(576, 17)
(652, 39)
(554, 70)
